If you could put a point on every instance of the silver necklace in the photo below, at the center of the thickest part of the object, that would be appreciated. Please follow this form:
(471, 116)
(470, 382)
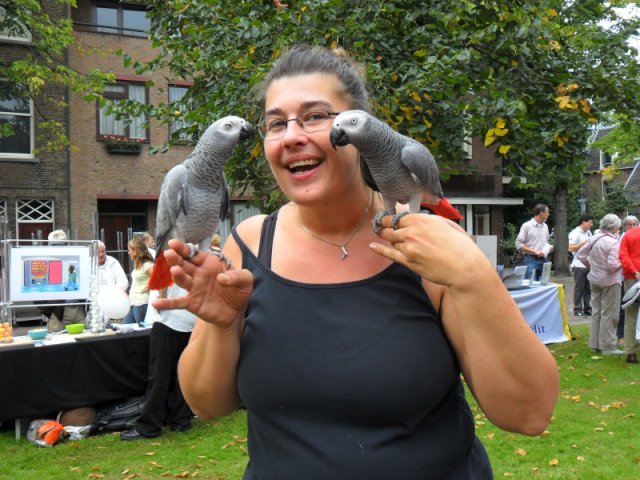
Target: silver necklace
(342, 246)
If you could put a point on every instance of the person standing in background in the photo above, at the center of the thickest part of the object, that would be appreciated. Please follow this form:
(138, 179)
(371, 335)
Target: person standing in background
(110, 272)
(629, 222)
(533, 241)
(630, 258)
(578, 237)
(600, 253)
(163, 400)
(139, 293)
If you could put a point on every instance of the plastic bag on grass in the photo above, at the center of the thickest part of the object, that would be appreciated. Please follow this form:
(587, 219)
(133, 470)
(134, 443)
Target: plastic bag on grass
(46, 433)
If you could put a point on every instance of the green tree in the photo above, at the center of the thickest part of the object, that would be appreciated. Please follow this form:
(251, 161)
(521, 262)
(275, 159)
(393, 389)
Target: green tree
(530, 77)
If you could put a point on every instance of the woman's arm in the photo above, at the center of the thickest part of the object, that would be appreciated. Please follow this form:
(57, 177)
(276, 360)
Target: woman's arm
(510, 372)
(218, 297)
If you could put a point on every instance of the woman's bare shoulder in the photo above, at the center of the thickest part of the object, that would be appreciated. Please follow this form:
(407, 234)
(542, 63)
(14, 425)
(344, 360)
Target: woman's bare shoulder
(249, 231)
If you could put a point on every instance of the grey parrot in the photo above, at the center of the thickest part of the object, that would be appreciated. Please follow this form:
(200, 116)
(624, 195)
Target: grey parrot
(400, 168)
(194, 196)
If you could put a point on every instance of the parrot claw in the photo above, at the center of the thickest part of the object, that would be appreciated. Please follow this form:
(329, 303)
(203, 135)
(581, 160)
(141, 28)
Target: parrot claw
(396, 219)
(377, 224)
(223, 258)
(193, 250)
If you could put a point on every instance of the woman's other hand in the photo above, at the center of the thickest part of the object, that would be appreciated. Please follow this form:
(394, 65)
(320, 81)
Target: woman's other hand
(436, 248)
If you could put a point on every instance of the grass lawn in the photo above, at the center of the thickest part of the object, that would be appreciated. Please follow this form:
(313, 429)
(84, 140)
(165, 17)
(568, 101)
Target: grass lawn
(594, 435)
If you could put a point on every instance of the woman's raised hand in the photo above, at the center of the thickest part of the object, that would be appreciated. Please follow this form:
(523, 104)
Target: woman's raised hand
(215, 294)
(435, 248)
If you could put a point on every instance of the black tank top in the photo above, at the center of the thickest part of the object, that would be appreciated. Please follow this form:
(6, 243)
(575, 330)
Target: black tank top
(351, 381)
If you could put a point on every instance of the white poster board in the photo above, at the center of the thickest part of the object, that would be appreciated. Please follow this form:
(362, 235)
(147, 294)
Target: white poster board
(49, 273)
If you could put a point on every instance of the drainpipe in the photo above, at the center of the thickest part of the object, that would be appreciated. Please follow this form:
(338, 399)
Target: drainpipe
(67, 97)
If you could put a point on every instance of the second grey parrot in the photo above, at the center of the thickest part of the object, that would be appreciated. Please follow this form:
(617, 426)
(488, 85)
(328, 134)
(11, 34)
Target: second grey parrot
(400, 168)
(194, 196)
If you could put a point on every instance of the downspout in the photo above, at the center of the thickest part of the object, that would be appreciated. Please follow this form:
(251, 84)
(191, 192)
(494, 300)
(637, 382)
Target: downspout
(67, 96)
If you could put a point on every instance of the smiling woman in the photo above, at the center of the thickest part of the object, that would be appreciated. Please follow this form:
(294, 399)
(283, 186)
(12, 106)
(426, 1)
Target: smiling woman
(338, 338)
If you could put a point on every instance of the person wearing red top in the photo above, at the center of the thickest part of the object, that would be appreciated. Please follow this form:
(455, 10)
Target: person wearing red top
(630, 259)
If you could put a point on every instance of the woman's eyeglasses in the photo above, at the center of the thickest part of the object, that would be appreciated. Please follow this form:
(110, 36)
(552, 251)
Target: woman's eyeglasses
(310, 122)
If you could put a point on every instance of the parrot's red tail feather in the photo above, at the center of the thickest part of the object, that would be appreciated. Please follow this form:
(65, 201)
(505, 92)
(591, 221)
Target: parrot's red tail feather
(444, 209)
(161, 275)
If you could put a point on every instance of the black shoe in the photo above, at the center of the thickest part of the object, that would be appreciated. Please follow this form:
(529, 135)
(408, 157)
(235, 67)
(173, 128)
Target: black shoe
(133, 434)
(182, 428)
(632, 358)
(587, 314)
(581, 314)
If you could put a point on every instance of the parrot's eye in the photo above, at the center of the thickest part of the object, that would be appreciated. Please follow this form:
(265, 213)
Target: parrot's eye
(354, 121)
(227, 126)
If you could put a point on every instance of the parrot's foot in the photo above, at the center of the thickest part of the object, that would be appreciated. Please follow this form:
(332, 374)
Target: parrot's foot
(223, 258)
(377, 220)
(193, 250)
(396, 219)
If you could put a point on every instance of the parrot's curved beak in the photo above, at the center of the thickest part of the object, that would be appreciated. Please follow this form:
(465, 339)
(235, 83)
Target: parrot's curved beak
(247, 131)
(338, 137)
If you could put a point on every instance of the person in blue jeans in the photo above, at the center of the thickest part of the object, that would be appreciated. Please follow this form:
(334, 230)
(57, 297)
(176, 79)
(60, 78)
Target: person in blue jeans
(533, 241)
(139, 292)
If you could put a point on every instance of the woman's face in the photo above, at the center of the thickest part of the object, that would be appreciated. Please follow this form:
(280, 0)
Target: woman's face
(305, 165)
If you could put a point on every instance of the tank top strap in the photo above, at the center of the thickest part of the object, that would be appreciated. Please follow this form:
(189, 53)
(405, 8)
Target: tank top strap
(266, 242)
(266, 239)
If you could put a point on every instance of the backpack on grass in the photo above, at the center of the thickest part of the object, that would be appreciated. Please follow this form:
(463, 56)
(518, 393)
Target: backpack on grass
(118, 417)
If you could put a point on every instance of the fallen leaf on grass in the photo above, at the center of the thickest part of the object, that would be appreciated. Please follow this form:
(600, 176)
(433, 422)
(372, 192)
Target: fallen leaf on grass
(182, 475)
(155, 444)
(96, 475)
(490, 436)
(155, 464)
(132, 476)
(508, 474)
(580, 458)
(598, 429)
(149, 454)
(596, 357)
(521, 451)
(554, 462)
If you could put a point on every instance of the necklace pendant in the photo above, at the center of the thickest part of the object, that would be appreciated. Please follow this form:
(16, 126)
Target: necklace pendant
(345, 254)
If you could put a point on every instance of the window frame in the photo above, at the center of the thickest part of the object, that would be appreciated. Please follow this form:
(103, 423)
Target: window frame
(119, 29)
(13, 156)
(183, 139)
(114, 96)
(22, 39)
(45, 208)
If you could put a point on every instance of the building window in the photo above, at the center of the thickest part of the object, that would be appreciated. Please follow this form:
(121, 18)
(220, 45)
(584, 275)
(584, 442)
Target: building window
(467, 147)
(606, 188)
(16, 33)
(121, 19)
(109, 125)
(481, 220)
(16, 112)
(34, 218)
(177, 93)
(605, 159)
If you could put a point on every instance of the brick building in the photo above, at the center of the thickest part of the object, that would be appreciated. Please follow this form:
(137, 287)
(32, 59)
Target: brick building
(34, 186)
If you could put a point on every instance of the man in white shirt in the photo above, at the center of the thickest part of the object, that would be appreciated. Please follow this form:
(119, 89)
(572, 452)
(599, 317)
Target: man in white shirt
(533, 241)
(110, 271)
(582, 288)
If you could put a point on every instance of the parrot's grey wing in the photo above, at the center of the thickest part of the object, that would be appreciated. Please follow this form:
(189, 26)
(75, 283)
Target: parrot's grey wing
(171, 203)
(224, 201)
(418, 159)
(366, 174)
